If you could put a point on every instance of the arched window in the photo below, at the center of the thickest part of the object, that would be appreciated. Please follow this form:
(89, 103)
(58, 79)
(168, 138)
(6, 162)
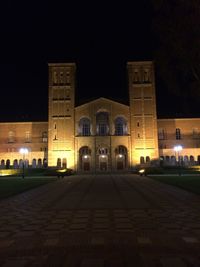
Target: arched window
(141, 160)
(120, 126)
(45, 163)
(64, 163)
(59, 162)
(39, 163)
(15, 164)
(121, 150)
(192, 159)
(102, 123)
(84, 127)
(2, 163)
(84, 150)
(167, 159)
(34, 163)
(7, 164)
(147, 159)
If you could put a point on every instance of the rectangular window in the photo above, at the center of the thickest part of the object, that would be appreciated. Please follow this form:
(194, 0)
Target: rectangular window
(102, 129)
(178, 134)
(11, 137)
(27, 137)
(161, 134)
(44, 137)
(119, 129)
(86, 130)
(195, 133)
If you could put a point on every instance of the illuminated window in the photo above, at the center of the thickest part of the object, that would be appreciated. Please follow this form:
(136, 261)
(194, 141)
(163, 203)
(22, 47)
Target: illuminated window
(178, 134)
(44, 137)
(11, 137)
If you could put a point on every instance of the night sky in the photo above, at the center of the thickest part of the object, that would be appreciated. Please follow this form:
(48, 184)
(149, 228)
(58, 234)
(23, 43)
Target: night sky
(100, 37)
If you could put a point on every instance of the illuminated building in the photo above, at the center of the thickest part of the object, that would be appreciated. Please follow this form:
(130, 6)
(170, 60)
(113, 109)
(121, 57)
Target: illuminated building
(100, 135)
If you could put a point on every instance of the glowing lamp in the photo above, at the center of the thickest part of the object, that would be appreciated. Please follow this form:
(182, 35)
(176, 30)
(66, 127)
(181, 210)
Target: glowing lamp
(178, 148)
(23, 151)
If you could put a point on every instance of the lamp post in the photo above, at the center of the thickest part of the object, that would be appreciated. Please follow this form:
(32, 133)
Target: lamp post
(23, 151)
(177, 150)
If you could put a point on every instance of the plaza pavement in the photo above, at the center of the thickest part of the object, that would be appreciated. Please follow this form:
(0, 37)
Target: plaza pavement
(102, 221)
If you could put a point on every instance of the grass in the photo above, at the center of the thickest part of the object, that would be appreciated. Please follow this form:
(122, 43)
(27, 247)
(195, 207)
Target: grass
(15, 185)
(187, 182)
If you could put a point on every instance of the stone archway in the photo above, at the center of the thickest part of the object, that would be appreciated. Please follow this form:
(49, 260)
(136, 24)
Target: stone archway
(121, 157)
(85, 158)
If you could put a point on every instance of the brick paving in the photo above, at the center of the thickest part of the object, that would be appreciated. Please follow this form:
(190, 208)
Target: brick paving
(101, 220)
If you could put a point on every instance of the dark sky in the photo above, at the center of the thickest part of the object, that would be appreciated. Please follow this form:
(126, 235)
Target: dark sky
(99, 36)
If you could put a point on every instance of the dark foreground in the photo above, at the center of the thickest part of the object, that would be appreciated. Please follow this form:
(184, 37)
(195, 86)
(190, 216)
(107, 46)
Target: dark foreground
(102, 220)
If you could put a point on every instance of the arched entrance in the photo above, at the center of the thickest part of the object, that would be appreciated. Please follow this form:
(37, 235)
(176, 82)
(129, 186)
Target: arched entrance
(85, 158)
(121, 157)
(103, 159)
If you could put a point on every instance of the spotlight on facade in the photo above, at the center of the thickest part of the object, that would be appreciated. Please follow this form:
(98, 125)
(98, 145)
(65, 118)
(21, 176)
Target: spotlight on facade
(177, 150)
(23, 151)
(120, 156)
(103, 156)
(85, 156)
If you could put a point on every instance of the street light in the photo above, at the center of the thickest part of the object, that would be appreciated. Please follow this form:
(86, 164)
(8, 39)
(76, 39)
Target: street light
(177, 150)
(23, 151)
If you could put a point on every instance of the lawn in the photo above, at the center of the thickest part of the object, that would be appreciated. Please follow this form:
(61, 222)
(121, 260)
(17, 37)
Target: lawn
(187, 182)
(15, 185)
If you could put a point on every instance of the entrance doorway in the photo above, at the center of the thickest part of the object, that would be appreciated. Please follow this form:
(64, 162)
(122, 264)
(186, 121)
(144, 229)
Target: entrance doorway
(103, 162)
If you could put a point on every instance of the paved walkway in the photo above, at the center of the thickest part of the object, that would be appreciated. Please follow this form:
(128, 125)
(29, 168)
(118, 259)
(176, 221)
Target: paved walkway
(102, 220)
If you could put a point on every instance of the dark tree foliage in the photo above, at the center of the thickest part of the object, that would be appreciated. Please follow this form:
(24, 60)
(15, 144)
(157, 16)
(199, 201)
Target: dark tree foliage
(176, 27)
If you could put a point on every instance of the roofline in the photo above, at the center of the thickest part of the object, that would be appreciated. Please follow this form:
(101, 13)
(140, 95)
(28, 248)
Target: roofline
(103, 99)
(178, 119)
(25, 122)
(140, 62)
(62, 64)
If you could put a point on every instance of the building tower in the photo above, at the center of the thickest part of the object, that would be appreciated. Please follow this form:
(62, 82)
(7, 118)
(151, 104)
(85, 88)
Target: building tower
(143, 118)
(61, 115)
